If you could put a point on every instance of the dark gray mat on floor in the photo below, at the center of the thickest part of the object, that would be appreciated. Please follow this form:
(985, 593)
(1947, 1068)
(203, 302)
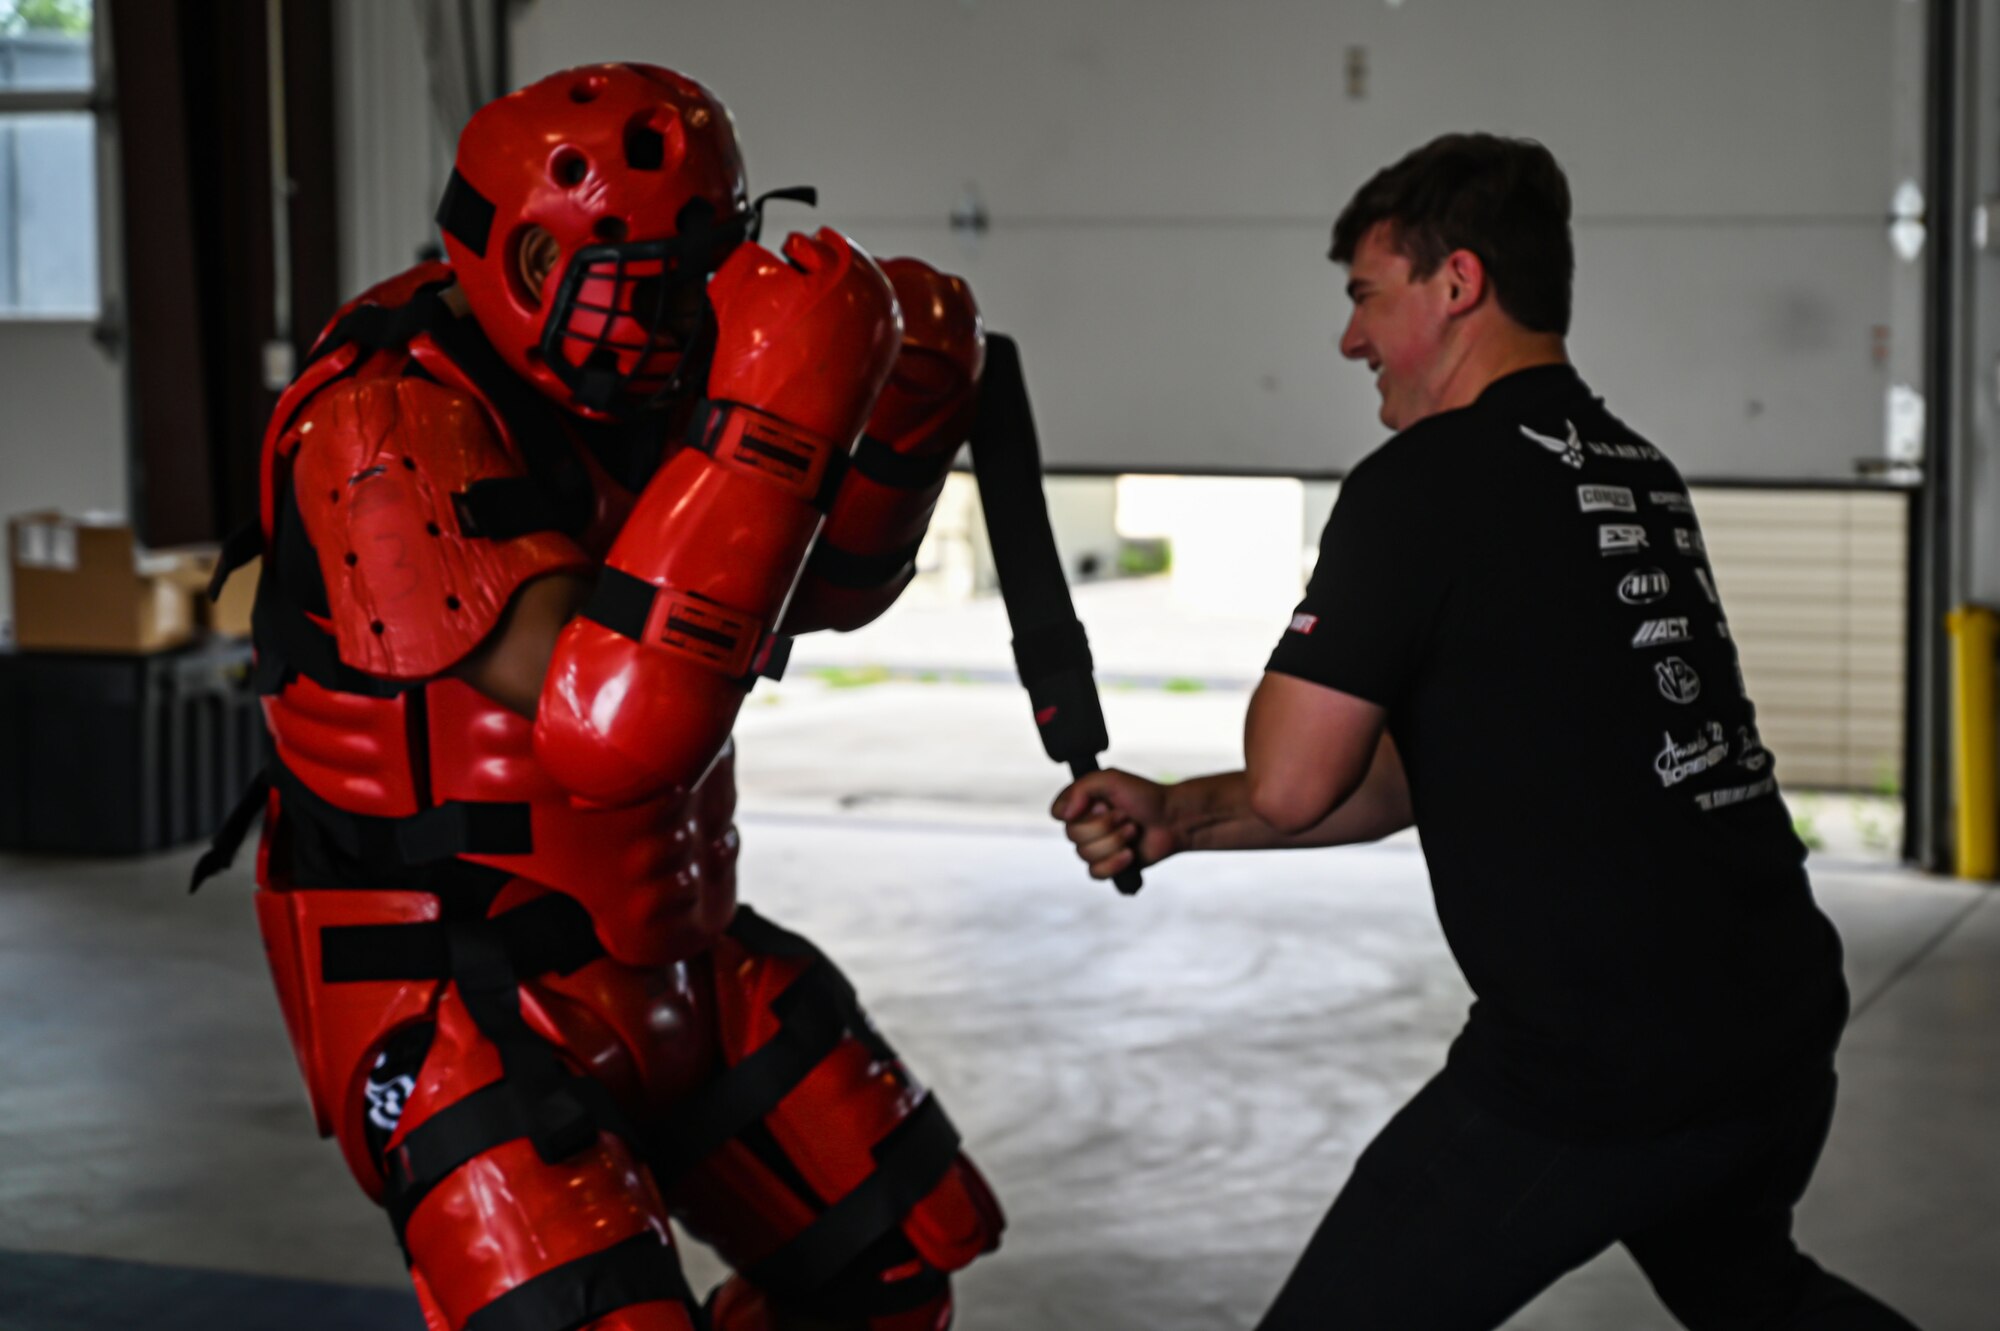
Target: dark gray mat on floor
(48, 1292)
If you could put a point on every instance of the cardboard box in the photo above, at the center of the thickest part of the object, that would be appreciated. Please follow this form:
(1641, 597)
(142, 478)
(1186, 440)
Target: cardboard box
(230, 616)
(82, 584)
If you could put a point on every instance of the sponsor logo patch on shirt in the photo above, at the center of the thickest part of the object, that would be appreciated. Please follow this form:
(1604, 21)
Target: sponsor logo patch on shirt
(1643, 586)
(1678, 761)
(1304, 623)
(1660, 632)
(1672, 500)
(1677, 680)
(1618, 538)
(1689, 542)
(1605, 499)
(1722, 799)
(1707, 587)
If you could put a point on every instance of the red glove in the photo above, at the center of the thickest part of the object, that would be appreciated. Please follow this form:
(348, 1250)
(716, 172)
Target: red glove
(866, 553)
(645, 683)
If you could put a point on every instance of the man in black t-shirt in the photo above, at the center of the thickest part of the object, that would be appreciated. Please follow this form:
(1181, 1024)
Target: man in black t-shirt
(1514, 640)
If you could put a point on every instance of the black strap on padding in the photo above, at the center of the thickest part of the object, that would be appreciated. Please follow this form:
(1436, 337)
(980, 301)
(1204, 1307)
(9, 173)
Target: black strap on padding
(620, 602)
(909, 1163)
(242, 545)
(815, 1010)
(534, 423)
(642, 1269)
(502, 508)
(465, 214)
(491, 1116)
(288, 642)
(844, 568)
(709, 419)
(559, 1123)
(229, 838)
(899, 471)
(551, 934)
(456, 827)
(623, 602)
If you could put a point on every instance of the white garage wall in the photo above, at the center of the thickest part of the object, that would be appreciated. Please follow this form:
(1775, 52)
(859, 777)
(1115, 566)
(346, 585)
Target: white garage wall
(1161, 174)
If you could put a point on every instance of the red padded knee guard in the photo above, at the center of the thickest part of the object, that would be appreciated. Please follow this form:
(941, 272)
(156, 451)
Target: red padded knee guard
(848, 1161)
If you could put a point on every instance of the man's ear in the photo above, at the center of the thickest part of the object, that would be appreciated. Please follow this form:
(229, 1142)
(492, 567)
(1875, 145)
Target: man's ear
(1465, 282)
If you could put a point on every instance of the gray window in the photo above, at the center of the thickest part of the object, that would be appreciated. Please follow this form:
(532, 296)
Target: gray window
(48, 160)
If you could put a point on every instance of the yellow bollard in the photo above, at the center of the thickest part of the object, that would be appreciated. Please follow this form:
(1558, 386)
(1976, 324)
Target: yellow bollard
(1973, 631)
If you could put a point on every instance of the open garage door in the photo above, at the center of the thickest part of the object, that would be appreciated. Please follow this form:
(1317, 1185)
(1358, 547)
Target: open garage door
(1145, 188)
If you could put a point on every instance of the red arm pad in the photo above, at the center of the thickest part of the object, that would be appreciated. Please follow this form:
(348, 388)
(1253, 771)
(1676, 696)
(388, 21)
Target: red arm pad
(865, 555)
(378, 463)
(645, 684)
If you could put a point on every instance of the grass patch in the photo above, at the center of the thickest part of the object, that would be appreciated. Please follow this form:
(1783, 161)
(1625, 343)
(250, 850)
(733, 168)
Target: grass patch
(851, 677)
(1805, 824)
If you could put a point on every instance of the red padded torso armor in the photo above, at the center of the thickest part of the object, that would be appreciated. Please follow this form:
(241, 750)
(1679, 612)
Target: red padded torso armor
(657, 876)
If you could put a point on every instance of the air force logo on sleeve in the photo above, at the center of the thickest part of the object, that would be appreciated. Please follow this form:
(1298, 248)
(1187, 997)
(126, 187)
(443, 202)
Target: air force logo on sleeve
(1568, 451)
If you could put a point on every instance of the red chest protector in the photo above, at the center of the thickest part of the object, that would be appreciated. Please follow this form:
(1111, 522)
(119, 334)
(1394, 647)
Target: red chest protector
(387, 781)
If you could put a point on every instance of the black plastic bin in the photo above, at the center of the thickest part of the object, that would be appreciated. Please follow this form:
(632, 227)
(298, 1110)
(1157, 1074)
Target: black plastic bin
(119, 755)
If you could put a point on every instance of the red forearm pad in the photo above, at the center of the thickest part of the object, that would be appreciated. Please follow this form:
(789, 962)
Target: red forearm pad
(638, 703)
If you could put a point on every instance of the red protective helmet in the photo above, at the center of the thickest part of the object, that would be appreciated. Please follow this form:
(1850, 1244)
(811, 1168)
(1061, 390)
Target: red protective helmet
(633, 172)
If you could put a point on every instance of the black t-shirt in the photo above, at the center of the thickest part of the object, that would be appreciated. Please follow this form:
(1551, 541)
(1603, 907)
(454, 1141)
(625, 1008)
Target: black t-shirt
(1522, 584)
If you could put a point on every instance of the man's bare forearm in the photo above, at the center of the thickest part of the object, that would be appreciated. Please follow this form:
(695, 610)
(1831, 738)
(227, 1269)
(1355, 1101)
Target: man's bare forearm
(1214, 813)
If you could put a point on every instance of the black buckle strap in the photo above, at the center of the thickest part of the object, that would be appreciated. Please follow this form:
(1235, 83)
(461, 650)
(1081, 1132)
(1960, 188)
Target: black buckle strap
(444, 831)
(625, 604)
(229, 838)
(549, 935)
(642, 1269)
(909, 1163)
(883, 465)
(844, 568)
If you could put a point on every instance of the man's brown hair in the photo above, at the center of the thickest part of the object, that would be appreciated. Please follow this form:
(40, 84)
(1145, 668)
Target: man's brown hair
(1505, 200)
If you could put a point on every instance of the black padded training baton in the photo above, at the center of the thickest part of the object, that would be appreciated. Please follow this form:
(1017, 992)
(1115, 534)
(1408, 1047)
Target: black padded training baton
(1050, 648)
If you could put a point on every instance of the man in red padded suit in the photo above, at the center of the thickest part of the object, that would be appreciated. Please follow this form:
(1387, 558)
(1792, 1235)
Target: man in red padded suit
(534, 520)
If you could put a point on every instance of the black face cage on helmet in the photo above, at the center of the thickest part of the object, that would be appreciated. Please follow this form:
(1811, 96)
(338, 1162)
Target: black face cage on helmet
(648, 281)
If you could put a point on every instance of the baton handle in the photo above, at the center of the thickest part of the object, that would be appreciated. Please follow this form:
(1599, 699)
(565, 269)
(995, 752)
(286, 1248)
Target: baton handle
(1127, 881)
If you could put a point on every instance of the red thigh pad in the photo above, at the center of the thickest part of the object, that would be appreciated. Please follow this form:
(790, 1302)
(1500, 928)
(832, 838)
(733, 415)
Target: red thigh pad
(855, 1149)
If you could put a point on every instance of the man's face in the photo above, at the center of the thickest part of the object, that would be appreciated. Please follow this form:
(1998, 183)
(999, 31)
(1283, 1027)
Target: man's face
(1398, 327)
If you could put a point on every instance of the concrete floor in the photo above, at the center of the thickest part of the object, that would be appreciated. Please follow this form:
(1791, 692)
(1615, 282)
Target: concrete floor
(1166, 1091)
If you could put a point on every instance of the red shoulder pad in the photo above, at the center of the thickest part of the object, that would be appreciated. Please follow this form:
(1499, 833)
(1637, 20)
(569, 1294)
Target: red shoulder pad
(378, 463)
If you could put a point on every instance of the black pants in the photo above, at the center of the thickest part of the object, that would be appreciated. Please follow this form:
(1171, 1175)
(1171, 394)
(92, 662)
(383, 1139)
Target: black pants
(1453, 1220)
